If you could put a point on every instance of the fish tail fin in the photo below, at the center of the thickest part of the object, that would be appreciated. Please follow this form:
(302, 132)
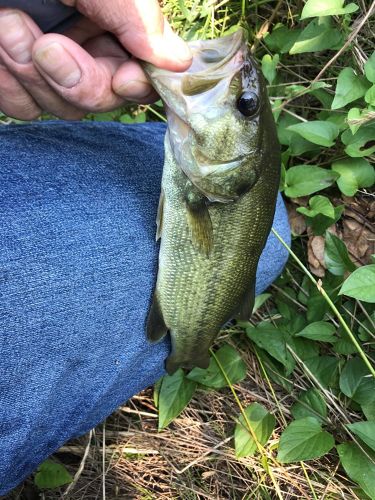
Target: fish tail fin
(156, 327)
(186, 360)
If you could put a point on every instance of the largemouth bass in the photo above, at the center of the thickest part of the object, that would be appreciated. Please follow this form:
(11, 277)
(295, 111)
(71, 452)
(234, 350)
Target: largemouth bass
(218, 195)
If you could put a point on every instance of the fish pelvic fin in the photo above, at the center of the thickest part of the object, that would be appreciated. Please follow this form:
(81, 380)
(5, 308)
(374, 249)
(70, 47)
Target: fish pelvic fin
(176, 361)
(159, 217)
(200, 225)
(156, 327)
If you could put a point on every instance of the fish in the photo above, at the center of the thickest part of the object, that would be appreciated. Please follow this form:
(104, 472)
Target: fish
(218, 194)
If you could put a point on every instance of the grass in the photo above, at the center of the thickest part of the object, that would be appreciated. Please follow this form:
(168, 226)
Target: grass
(194, 457)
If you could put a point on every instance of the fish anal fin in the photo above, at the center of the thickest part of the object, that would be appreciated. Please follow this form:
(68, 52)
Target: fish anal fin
(174, 362)
(156, 327)
(247, 305)
(159, 217)
(200, 225)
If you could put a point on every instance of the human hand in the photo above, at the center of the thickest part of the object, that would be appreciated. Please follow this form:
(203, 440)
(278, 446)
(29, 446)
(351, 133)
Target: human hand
(92, 66)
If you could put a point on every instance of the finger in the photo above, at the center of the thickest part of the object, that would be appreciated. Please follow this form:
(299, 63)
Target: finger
(131, 83)
(75, 75)
(141, 28)
(18, 33)
(14, 100)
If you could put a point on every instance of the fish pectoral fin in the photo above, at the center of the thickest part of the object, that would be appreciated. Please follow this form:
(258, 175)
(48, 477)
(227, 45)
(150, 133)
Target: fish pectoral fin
(159, 216)
(156, 327)
(200, 225)
(247, 305)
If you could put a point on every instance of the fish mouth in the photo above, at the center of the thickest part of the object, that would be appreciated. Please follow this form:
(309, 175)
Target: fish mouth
(209, 166)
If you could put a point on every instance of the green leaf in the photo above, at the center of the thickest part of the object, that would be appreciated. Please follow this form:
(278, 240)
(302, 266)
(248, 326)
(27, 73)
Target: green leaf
(269, 65)
(354, 115)
(369, 410)
(321, 214)
(349, 88)
(260, 300)
(370, 96)
(310, 404)
(302, 180)
(318, 132)
(272, 340)
(361, 284)
(304, 439)
(262, 423)
(356, 382)
(51, 475)
(336, 256)
(324, 369)
(354, 173)
(212, 376)
(358, 467)
(318, 35)
(360, 144)
(370, 68)
(281, 39)
(365, 431)
(175, 393)
(320, 8)
(320, 330)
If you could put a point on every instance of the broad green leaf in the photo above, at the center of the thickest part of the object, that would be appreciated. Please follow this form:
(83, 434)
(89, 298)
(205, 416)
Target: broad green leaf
(175, 393)
(324, 369)
(369, 410)
(274, 370)
(321, 214)
(318, 35)
(310, 404)
(370, 96)
(52, 475)
(269, 65)
(320, 330)
(320, 8)
(349, 88)
(302, 180)
(336, 256)
(358, 467)
(318, 132)
(361, 284)
(356, 382)
(370, 68)
(354, 173)
(365, 431)
(212, 376)
(304, 439)
(362, 143)
(260, 300)
(262, 423)
(272, 340)
(297, 145)
(281, 39)
(353, 119)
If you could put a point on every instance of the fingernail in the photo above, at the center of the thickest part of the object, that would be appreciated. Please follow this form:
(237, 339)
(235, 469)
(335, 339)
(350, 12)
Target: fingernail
(134, 89)
(15, 37)
(57, 62)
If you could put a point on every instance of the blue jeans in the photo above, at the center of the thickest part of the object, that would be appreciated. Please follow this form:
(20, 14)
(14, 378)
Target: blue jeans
(78, 261)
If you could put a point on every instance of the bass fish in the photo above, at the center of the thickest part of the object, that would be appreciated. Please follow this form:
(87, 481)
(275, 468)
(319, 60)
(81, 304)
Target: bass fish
(218, 195)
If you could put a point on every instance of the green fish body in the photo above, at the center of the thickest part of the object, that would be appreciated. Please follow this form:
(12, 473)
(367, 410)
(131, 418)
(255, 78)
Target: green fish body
(219, 189)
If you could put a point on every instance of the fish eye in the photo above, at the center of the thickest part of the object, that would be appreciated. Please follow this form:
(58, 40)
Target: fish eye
(248, 103)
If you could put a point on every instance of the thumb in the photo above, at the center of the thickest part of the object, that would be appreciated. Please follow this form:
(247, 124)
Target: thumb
(141, 28)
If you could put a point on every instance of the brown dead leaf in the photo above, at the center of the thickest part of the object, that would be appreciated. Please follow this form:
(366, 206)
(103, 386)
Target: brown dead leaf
(296, 220)
(315, 255)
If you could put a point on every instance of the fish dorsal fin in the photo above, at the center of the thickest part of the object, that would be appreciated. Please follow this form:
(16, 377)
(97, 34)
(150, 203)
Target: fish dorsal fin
(156, 327)
(247, 305)
(200, 225)
(159, 217)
